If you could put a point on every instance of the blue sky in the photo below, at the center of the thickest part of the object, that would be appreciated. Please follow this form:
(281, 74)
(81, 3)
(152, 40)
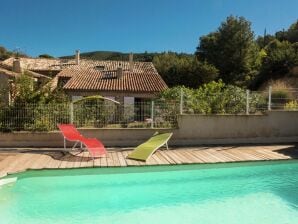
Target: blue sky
(58, 27)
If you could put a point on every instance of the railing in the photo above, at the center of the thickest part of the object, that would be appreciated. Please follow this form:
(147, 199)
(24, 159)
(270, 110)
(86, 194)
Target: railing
(45, 117)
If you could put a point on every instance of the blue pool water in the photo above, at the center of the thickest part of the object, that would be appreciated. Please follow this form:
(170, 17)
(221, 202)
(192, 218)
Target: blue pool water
(230, 193)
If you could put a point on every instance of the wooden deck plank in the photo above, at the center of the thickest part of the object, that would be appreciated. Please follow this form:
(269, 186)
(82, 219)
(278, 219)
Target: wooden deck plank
(195, 158)
(40, 162)
(129, 162)
(256, 154)
(77, 161)
(273, 155)
(230, 155)
(216, 157)
(164, 155)
(5, 162)
(202, 156)
(103, 161)
(163, 160)
(65, 159)
(115, 158)
(179, 155)
(20, 161)
(54, 163)
(121, 159)
(35, 161)
(157, 159)
(151, 161)
(97, 162)
(190, 156)
(265, 156)
(175, 157)
(16, 165)
(242, 154)
(110, 161)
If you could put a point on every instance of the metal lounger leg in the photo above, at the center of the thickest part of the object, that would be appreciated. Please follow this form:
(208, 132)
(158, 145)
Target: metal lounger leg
(64, 143)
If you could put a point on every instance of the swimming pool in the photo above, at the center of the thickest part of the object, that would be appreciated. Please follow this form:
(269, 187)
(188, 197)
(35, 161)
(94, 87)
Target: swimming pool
(259, 192)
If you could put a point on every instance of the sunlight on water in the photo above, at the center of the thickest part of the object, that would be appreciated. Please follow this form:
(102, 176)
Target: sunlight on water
(264, 194)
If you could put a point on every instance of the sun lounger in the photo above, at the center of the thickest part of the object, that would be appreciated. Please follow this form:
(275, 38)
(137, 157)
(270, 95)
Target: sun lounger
(145, 150)
(70, 133)
(94, 147)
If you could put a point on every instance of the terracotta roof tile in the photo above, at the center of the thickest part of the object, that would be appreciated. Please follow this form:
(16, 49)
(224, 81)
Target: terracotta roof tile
(90, 74)
(143, 78)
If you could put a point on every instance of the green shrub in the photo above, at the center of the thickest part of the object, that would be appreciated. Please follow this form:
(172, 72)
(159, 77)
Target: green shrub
(279, 98)
(292, 105)
(213, 98)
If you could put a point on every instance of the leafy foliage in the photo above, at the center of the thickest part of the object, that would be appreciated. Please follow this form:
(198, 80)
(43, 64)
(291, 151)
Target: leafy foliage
(45, 56)
(183, 70)
(31, 107)
(212, 98)
(292, 105)
(4, 54)
(229, 49)
(115, 56)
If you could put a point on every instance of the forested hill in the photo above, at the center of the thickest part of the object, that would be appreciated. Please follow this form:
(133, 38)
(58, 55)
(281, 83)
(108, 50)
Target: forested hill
(113, 55)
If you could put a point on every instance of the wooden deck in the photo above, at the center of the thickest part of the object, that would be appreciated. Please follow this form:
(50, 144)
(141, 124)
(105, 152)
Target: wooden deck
(18, 160)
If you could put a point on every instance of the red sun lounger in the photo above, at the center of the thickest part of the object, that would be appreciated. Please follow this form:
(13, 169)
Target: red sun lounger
(94, 147)
(70, 133)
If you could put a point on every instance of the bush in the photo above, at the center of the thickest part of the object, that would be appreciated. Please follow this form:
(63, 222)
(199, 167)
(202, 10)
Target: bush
(213, 98)
(279, 98)
(292, 105)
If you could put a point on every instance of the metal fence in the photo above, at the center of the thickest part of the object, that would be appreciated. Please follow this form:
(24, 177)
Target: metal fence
(148, 114)
(45, 117)
(243, 102)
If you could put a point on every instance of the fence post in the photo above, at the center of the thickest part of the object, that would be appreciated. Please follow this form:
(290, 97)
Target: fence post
(181, 101)
(247, 102)
(152, 113)
(71, 112)
(269, 97)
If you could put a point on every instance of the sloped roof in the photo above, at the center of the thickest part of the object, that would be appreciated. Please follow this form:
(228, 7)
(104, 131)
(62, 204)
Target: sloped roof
(29, 73)
(39, 64)
(91, 74)
(143, 78)
(8, 73)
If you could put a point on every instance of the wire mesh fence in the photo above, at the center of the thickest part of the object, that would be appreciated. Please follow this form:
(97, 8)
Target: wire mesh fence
(45, 117)
(147, 114)
(242, 102)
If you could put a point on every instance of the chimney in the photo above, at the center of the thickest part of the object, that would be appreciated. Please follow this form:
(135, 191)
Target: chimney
(131, 62)
(119, 72)
(16, 66)
(77, 57)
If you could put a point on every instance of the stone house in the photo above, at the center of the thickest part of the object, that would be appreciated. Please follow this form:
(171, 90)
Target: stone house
(125, 81)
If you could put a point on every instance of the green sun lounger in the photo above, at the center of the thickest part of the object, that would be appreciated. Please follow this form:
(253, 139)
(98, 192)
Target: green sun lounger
(145, 150)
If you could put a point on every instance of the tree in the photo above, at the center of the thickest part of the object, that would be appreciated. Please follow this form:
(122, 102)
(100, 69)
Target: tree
(290, 35)
(229, 49)
(45, 56)
(280, 58)
(4, 54)
(181, 69)
(262, 41)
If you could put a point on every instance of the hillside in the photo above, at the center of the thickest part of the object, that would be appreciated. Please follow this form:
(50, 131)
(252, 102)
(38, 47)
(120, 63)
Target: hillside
(113, 55)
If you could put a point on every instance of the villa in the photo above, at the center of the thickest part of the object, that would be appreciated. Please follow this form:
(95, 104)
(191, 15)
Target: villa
(125, 81)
